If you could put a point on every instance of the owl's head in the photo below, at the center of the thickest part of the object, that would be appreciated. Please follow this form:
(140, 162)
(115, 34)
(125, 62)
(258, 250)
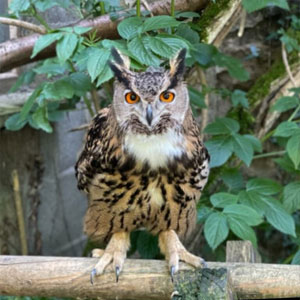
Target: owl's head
(149, 102)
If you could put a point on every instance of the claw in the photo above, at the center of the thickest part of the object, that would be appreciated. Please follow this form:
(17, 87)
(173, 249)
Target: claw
(172, 272)
(93, 274)
(117, 272)
(204, 263)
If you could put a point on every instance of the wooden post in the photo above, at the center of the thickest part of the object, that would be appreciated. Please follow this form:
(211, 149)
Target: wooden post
(141, 279)
(241, 251)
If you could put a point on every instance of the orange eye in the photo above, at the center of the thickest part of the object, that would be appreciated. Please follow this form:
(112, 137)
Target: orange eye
(166, 96)
(132, 98)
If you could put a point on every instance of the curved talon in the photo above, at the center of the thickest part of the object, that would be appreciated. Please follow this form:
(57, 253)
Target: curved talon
(204, 263)
(93, 274)
(117, 272)
(172, 272)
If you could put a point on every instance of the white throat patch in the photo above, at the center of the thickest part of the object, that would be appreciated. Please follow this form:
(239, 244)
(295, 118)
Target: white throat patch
(155, 149)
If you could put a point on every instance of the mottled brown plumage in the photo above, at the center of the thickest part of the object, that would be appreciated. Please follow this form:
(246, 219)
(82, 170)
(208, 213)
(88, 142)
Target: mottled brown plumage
(142, 172)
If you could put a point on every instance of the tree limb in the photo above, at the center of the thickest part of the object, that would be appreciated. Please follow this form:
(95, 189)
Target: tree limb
(23, 24)
(14, 53)
(140, 279)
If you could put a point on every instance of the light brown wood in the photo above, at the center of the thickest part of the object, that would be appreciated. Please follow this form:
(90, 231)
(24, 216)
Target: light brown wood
(241, 251)
(140, 279)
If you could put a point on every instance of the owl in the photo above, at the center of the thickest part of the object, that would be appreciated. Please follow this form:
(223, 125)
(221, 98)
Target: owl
(143, 165)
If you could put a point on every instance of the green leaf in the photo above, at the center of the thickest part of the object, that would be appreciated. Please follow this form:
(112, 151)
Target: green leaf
(176, 43)
(233, 179)
(296, 258)
(203, 53)
(196, 97)
(293, 149)
(244, 213)
(97, 62)
(285, 103)
(14, 122)
(286, 164)
(216, 229)
(278, 217)
(128, 28)
(242, 230)
(255, 142)
(81, 30)
(187, 33)
(223, 199)
(142, 53)
(158, 46)
(50, 67)
(17, 6)
(25, 78)
(286, 129)
(80, 82)
(253, 5)
(291, 196)
(147, 245)
(58, 90)
(203, 213)
(187, 14)
(105, 75)
(219, 149)
(222, 126)
(66, 46)
(44, 41)
(239, 97)
(40, 119)
(159, 22)
(243, 148)
(233, 65)
(263, 186)
(253, 200)
(29, 103)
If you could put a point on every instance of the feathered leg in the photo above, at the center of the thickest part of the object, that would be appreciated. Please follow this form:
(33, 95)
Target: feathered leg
(174, 251)
(115, 252)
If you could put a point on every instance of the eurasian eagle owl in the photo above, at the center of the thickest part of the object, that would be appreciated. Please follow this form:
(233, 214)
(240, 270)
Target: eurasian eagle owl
(143, 164)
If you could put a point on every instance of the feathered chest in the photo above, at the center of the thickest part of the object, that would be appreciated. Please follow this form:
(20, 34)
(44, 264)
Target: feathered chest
(157, 150)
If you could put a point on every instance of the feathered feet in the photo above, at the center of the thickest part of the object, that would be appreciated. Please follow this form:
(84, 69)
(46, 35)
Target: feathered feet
(174, 252)
(115, 252)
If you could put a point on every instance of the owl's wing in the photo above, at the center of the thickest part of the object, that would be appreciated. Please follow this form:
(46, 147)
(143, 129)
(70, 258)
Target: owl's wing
(89, 161)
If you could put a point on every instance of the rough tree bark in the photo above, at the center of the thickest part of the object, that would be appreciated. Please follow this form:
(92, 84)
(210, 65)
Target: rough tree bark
(14, 53)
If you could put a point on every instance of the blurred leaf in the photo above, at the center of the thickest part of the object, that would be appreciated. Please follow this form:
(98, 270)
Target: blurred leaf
(159, 22)
(25, 78)
(81, 30)
(278, 217)
(14, 122)
(293, 149)
(203, 53)
(253, 5)
(239, 97)
(41, 120)
(58, 90)
(176, 43)
(17, 6)
(44, 41)
(255, 142)
(216, 229)
(264, 186)
(285, 103)
(66, 46)
(222, 126)
(252, 199)
(105, 75)
(233, 179)
(80, 82)
(244, 213)
(187, 33)
(219, 149)
(196, 97)
(243, 148)
(158, 46)
(141, 53)
(221, 200)
(242, 230)
(203, 213)
(291, 196)
(286, 129)
(291, 44)
(128, 28)
(97, 62)
(286, 164)
(296, 258)
(50, 68)
(29, 103)
(186, 14)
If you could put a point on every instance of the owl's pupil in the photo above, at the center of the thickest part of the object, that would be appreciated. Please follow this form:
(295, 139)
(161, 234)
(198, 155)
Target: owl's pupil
(166, 95)
(132, 97)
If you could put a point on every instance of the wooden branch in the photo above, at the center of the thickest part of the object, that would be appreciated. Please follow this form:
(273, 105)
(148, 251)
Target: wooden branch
(14, 53)
(140, 279)
(23, 24)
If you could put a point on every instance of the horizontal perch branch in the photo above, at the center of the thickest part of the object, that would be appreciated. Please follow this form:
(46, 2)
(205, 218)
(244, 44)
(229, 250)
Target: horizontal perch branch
(140, 279)
(23, 24)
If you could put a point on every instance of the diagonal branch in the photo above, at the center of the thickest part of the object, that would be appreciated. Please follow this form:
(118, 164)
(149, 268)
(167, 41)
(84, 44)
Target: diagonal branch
(23, 24)
(15, 53)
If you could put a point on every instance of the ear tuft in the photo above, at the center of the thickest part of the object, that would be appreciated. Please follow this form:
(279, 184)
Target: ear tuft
(177, 67)
(119, 58)
(120, 73)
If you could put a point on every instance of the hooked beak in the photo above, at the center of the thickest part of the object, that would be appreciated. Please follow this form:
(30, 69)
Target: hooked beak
(149, 115)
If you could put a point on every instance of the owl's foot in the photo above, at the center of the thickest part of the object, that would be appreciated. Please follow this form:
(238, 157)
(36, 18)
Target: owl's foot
(115, 252)
(174, 252)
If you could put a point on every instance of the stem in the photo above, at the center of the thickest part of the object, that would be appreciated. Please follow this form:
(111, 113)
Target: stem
(173, 8)
(71, 65)
(23, 24)
(138, 8)
(275, 153)
(102, 7)
(294, 113)
(88, 105)
(267, 136)
(41, 20)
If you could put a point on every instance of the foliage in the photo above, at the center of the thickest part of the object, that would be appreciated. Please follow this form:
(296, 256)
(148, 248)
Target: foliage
(233, 204)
